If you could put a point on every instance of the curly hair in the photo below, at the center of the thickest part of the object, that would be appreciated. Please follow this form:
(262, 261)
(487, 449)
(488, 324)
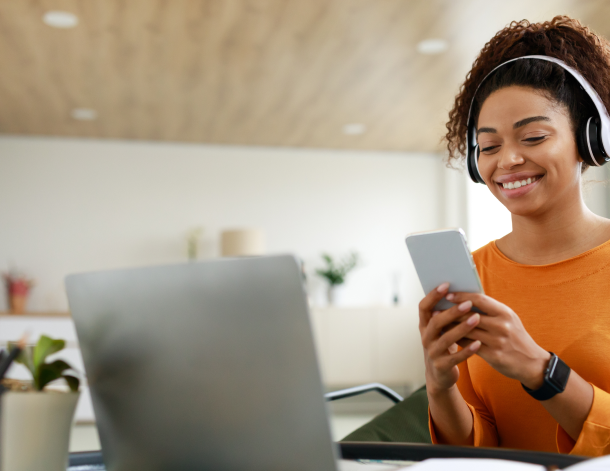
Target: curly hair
(563, 38)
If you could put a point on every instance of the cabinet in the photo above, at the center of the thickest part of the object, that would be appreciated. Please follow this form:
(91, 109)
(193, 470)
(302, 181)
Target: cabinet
(355, 346)
(362, 345)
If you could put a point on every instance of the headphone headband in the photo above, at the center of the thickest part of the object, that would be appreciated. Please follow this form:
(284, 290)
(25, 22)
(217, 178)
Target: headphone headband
(471, 136)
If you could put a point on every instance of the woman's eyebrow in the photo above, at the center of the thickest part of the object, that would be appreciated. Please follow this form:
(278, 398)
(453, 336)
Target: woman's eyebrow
(527, 121)
(518, 124)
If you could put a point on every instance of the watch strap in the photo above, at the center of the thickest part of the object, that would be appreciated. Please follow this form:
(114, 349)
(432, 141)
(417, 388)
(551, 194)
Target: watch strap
(555, 380)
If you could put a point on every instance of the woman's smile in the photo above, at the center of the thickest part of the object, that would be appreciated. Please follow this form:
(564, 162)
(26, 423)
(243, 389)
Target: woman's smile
(518, 184)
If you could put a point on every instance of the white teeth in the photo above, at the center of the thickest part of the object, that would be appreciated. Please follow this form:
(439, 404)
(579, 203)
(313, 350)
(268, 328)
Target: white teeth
(519, 184)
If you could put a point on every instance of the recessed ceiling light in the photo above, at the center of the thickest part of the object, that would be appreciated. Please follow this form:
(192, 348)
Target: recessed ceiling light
(84, 114)
(432, 46)
(60, 19)
(354, 128)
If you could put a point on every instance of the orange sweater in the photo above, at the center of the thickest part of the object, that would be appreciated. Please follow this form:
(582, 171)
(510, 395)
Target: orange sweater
(565, 307)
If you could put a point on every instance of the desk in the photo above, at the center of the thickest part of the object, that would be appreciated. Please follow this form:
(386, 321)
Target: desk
(395, 452)
(419, 452)
(39, 314)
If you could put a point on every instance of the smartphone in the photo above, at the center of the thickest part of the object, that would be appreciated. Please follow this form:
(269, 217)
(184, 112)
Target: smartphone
(443, 256)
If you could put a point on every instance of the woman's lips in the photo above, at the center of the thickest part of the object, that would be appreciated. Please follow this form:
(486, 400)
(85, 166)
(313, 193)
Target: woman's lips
(518, 192)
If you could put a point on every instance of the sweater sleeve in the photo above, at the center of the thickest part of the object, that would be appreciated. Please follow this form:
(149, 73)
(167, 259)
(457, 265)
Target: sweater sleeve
(594, 439)
(485, 433)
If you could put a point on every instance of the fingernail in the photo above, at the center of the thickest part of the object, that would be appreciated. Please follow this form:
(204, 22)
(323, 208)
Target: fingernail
(442, 287)
(434, 313)
(473, 319)
(450, 296)
(475, 345)
(465, 306)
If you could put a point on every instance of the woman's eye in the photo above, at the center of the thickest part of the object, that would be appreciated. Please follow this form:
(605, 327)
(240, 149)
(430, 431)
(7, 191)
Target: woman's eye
(534, 139)
(489, 148)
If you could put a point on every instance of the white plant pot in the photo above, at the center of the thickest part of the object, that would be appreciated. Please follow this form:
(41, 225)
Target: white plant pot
(35, 429)
(336, 295)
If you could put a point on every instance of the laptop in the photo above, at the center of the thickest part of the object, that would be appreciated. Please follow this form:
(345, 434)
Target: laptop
(206, 365)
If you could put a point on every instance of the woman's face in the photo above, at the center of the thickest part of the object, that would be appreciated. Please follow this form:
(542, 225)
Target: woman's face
(529, 158)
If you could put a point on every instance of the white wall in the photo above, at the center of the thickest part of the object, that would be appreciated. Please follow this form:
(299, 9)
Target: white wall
(488, 219)
(70, 205)
(595, 190)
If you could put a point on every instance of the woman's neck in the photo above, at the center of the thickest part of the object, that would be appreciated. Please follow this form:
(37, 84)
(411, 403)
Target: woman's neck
(554, 235)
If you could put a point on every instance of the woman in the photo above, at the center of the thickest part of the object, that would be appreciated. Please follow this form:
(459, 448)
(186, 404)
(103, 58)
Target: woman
(545, 282)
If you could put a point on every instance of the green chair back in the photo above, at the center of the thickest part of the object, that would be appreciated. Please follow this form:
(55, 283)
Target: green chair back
(406, 421)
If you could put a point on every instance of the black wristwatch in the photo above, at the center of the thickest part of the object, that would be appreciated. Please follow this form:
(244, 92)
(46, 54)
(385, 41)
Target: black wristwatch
(555, 380)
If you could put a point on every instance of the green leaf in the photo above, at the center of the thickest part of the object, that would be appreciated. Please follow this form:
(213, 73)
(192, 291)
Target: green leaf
(24, 357)
(45, 347)
(44, 373)
(48, 373)
(335, 273)
(73, 382)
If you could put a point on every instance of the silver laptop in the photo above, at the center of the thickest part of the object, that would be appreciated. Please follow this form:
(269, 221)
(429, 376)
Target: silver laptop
(203, 366)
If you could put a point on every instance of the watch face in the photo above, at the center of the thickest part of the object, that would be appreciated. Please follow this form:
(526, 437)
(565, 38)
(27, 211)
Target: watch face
(558, 374)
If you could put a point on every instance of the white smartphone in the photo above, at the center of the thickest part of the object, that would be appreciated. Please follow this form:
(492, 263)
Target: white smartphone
(443, 256)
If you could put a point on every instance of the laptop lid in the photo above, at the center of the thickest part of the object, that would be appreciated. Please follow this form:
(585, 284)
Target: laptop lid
(205, 365)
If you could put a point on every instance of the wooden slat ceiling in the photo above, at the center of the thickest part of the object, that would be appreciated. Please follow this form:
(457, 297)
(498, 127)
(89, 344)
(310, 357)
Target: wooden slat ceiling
(251, 72)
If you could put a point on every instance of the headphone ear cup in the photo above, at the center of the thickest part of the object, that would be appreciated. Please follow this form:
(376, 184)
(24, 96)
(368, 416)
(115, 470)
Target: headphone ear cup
(470, 164)
(590, 146)
(473, 166)
(597, 145)
(581, 142)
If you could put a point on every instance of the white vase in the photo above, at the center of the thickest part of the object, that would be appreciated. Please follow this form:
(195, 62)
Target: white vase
(35, 429)
(336, 295)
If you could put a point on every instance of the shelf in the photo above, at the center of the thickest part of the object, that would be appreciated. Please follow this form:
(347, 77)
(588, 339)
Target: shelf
(40, 314)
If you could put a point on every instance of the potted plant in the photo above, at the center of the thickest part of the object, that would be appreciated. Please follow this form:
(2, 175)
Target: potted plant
(17, 288)
(36, 420)
(335, 272)
(192, 243)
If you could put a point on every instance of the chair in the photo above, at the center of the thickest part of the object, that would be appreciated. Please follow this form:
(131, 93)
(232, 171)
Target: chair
(406, 421)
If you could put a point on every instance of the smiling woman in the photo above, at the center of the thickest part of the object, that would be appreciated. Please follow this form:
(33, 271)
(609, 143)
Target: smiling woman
(545, 139)
(532, 370)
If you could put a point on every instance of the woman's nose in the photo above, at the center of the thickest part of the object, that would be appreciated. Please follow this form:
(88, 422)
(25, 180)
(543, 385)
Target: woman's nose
(509, 158)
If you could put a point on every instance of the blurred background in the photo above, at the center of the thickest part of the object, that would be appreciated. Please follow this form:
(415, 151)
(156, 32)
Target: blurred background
(142, 132)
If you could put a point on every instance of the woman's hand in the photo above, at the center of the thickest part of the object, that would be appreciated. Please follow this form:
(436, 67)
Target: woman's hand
(506, 345)
(439, 335)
